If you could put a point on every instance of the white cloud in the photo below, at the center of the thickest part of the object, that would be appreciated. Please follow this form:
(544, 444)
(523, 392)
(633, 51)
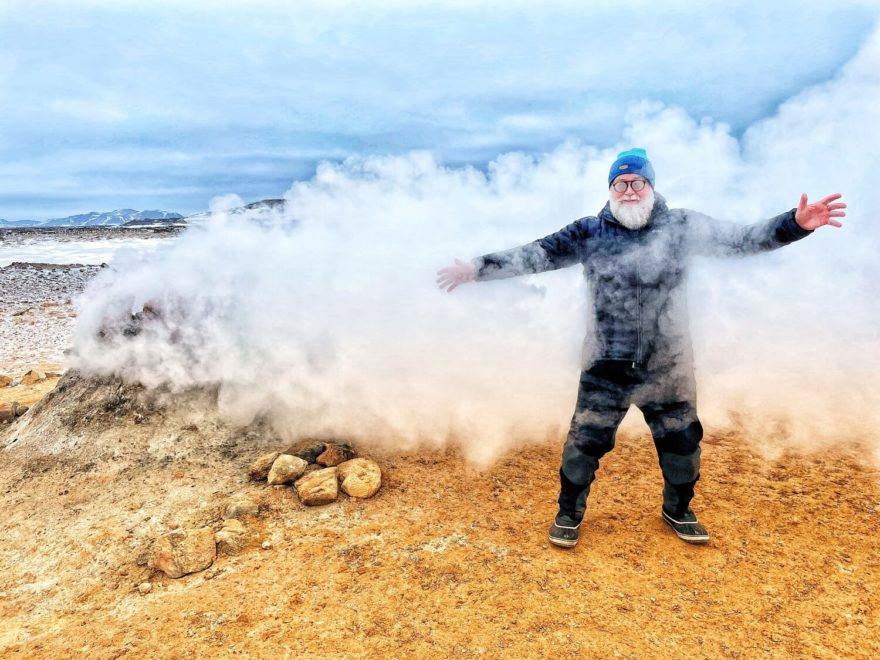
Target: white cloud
(466, 80)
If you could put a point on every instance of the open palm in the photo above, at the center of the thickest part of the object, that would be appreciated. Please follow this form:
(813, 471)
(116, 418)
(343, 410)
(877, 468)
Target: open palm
(813, 216)
(453, 276)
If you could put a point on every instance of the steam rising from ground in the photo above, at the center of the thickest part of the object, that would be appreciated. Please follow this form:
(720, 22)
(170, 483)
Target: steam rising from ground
(326, 315)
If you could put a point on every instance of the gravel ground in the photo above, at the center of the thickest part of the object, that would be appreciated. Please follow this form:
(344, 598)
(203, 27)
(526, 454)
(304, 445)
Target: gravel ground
(36, 299)
(18, 236)
(37, 313)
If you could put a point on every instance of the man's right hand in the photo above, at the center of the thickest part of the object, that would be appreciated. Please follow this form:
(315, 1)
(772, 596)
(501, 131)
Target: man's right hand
(452, 276)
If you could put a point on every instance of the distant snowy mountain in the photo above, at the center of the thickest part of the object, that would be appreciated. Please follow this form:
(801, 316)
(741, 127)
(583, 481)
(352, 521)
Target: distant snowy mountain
(132, 218)
(95, 219)
(267, 205)
(118, 217)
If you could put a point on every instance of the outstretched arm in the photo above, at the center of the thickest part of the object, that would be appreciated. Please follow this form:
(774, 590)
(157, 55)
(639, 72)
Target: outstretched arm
(709, 236)
(560, 249)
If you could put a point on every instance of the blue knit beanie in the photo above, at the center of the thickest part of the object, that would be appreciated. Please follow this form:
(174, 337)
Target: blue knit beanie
(632, 161)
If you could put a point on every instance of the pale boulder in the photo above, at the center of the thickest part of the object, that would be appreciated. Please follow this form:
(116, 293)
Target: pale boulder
(318, 487)
(285, 469)
(360, 477)
(181, 552)
(259, 469)
(233, 538)
(240, 505)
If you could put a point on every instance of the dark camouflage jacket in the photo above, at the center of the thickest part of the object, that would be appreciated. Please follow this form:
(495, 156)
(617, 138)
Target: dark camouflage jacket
(637, 277)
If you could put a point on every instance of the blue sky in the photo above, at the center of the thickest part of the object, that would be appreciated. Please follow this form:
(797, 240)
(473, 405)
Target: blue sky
(165, 105)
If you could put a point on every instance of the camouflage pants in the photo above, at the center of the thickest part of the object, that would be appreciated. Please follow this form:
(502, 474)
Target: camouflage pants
(666, 395)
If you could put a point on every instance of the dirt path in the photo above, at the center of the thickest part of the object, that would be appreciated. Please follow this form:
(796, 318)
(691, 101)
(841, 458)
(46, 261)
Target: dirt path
(450, 561)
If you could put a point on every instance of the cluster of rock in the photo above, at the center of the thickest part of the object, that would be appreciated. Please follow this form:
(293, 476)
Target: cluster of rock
(317, 470)
(10, 411)
(30, 377)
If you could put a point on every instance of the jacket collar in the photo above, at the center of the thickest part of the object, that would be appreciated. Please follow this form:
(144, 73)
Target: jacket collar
(659, 207)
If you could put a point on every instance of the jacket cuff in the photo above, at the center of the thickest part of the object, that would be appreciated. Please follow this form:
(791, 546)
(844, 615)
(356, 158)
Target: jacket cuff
(793, 228)
(480, 263)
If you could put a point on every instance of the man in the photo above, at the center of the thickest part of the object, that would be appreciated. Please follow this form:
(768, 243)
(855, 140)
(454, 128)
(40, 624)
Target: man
(634, 256)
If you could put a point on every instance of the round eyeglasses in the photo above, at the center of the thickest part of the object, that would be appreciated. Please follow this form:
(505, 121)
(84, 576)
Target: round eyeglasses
(637, 185)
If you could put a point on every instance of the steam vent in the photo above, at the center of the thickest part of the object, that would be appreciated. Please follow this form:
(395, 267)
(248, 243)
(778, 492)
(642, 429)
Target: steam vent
(197, 488)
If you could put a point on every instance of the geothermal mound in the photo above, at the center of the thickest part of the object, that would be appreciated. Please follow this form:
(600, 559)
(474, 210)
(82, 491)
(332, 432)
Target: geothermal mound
(165, 470)
(97, 421)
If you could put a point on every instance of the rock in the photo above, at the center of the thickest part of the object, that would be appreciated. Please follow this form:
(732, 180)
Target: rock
(267, 545)
(32, 377)
(259, 469)
(285, 469)
(318, 487)
(360, 477)
(240, 505)
(335, 453)
(181, 552)
(7, 414)
(18, 410)
(143, 559)
(233, 538)
(145, 587)
(308, 450)
(5, 381)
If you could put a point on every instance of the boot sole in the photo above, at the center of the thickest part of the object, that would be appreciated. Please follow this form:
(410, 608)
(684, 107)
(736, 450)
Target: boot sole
(563, 543)
(694, 539)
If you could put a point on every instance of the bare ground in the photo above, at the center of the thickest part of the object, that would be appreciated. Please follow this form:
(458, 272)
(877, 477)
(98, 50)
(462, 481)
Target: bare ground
(444, 560)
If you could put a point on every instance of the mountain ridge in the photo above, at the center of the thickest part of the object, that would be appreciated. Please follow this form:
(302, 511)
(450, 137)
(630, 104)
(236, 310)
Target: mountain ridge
(113, 218)
(133, 218)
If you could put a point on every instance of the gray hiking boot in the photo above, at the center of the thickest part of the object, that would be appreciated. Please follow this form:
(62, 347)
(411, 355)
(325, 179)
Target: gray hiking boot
(686, 527)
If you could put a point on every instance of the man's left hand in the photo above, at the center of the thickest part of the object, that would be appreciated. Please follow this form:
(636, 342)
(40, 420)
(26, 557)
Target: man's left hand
(813, 216)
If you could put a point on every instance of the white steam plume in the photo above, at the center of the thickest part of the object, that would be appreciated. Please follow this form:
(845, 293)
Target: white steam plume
(326, 315)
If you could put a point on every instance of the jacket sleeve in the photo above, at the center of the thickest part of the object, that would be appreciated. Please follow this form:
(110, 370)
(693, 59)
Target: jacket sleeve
(558, 250)
(721, 238)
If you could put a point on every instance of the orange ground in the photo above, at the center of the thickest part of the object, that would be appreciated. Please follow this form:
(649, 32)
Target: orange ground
(447, 560)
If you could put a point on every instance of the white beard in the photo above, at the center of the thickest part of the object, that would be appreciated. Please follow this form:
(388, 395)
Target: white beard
(633, 216)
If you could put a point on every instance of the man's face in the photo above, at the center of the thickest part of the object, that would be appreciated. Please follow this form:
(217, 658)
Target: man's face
(629, 196)
(631, 208)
